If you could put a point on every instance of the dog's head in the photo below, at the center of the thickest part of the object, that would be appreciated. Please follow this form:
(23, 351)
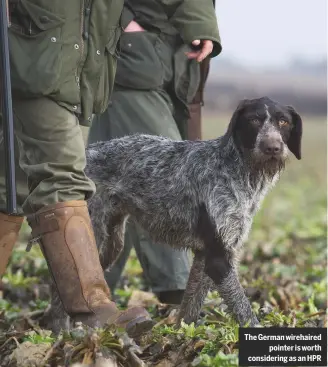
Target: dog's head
(264, 130)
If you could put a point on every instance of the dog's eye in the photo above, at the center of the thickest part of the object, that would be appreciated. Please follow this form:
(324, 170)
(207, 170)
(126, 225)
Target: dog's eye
(283, 123)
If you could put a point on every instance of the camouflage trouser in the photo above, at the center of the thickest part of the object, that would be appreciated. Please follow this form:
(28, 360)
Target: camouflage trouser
(148, 112)
(50, 156)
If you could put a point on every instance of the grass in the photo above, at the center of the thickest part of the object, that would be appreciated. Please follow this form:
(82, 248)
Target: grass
(283, 269)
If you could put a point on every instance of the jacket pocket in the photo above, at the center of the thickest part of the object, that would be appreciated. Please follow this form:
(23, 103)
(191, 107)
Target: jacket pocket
(35, 49)
(139, 65)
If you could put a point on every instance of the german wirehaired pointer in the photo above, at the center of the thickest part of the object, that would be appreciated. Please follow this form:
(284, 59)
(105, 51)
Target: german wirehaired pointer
(199, 195)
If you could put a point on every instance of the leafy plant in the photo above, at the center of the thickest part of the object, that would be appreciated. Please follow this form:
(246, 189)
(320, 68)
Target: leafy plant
(38, 338)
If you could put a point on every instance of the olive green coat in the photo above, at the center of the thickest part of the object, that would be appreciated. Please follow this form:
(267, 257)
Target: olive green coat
(191, 19)
(65, 50)
(171, 26)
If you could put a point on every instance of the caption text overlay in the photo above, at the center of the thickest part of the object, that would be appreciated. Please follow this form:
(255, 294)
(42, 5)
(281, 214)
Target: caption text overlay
(283, 347)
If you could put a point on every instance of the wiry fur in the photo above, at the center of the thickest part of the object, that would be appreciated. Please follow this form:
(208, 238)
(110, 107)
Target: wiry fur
(200, 195)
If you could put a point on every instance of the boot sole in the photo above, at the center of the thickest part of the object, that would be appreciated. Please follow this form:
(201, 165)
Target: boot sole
(139, 326)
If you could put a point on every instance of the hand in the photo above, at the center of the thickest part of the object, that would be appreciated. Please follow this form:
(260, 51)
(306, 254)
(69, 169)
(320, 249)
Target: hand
(133, 27)
(207, 48)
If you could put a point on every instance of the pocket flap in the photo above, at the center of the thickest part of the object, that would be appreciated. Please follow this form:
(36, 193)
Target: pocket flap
(42, 18)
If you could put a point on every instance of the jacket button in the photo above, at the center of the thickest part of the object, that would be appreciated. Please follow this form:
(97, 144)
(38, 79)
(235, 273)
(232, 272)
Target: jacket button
(53, 39)
(74, 108)
(44, 19)
(76, 46)
(98, 52)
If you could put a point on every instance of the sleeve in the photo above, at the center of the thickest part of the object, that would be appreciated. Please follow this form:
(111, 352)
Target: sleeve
(196, 19)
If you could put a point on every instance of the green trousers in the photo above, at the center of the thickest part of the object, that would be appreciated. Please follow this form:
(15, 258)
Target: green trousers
(148, 112)
(50, 156)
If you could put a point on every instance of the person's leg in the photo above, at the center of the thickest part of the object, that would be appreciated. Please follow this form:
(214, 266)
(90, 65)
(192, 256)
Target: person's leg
(10, 225)
(52, 155)
(147, 112)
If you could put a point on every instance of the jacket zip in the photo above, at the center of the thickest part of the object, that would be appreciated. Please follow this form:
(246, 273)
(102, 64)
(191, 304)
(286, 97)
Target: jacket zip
(82, 27)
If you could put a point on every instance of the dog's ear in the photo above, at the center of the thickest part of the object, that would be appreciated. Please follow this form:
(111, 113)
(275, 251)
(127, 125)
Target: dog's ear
(294, 141)
(233, 121)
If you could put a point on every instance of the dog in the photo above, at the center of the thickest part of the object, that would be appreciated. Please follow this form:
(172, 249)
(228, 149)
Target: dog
(198, 195)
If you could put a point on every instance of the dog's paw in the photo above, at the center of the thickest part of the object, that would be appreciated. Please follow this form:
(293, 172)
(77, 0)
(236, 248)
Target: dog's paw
(255, 322)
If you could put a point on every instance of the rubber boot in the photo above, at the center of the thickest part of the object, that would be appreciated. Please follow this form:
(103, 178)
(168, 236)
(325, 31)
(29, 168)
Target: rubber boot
(67, 241)
(10, 226)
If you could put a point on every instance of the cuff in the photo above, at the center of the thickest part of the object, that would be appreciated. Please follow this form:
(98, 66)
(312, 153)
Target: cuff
(217, 47)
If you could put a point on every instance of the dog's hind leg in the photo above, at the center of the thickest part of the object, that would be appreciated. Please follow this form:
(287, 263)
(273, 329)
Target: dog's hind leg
(197, 288)
(55, 318)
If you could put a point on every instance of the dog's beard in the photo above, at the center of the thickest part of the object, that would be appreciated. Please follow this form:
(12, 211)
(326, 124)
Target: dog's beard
(263, 165)
(270, 167)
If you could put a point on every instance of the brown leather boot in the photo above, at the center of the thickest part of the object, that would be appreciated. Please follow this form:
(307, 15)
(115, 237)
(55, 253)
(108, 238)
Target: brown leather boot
(68, 244)
(10, 226)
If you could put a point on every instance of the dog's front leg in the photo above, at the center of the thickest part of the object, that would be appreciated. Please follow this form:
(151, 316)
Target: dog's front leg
(220, 267)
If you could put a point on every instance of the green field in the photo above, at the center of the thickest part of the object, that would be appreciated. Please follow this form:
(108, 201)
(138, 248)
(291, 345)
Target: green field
(283, 269)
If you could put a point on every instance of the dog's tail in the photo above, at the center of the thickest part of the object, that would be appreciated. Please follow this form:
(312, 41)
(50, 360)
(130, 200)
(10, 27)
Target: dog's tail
(95, 159)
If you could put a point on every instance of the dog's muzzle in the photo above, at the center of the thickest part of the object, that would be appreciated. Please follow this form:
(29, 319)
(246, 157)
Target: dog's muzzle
(272, 147)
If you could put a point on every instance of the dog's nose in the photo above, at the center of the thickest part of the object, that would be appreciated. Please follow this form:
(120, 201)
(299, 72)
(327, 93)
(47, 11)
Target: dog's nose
(271, 146)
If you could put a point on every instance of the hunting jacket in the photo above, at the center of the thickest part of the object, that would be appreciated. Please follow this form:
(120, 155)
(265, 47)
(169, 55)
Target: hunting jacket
(65, 50)
(176, 23)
